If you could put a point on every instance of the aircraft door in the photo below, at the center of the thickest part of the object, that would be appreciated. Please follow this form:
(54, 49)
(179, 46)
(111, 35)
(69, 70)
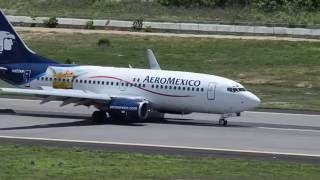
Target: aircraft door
(211, 94)
(27, 77)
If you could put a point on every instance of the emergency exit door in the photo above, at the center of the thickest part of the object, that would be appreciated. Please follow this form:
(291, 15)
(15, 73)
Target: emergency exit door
(211, 93)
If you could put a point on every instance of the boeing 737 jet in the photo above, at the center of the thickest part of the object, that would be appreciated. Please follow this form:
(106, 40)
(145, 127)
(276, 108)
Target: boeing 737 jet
(118, 93)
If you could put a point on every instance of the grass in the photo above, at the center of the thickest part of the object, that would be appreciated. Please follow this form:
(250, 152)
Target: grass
(155, 12)
(27, 162)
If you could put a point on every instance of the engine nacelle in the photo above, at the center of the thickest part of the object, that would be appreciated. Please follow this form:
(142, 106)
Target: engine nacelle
(129, 108)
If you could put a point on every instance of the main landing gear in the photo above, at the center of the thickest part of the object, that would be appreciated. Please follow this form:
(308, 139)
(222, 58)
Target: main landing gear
(223, 122)
(99, 117)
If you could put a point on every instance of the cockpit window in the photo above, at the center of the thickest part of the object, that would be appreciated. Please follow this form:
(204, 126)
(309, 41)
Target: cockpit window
(235, 90)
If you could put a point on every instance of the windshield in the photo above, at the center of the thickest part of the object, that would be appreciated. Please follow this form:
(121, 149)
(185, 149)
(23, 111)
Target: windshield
(235, 90)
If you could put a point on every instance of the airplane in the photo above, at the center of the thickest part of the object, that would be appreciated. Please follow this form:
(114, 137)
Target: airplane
(118, 93)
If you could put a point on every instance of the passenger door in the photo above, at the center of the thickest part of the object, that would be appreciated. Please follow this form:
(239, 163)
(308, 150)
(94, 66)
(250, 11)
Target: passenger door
(211, 92)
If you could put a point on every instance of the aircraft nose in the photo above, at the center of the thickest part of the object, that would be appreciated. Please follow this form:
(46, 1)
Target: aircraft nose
(252, 100)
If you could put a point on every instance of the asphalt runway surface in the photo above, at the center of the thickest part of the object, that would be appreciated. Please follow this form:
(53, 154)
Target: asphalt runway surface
(259, 135)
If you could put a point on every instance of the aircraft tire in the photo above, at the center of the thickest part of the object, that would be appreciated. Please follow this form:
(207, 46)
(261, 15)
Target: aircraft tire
(223, 122)
(99, 117)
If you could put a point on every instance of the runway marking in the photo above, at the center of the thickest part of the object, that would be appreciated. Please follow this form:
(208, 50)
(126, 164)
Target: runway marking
(290, 129)
(162, 146)
(280, 113)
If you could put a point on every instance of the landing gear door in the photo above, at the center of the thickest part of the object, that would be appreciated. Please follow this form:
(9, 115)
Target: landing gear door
(211, 93)
(27, 76)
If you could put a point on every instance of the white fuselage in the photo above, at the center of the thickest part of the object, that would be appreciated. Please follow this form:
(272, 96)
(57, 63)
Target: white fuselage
(167, 91)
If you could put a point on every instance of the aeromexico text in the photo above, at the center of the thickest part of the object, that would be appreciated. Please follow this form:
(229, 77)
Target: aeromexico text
(172, 81)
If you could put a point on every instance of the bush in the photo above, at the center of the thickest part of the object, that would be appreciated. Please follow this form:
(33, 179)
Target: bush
(69, 61)
(265, 5)
(137, 24)
(289, 5)
(51, 22)
(203, 3)
(89, 25)
(148, 29)
(104, 42)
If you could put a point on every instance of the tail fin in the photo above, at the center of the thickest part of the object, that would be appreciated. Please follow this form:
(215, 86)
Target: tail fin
(13, 49)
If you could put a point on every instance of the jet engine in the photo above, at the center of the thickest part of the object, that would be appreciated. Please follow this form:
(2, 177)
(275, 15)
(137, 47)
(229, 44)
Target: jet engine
(129, 108)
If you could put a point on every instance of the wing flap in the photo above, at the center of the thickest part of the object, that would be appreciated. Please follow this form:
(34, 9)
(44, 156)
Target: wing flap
(67, 96)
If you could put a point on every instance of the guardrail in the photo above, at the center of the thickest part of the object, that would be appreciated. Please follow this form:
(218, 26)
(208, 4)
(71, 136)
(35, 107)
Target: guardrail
(165, 26)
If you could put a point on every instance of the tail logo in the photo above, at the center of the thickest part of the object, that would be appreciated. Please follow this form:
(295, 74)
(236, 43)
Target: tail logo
(6, 41)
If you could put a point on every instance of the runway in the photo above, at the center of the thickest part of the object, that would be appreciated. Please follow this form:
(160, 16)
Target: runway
(254, 134)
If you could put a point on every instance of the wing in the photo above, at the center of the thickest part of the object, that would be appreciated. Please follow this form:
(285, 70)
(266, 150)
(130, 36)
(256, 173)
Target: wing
(78, 97)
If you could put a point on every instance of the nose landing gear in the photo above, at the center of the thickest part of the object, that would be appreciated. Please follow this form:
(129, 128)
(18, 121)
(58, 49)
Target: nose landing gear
(223, 119)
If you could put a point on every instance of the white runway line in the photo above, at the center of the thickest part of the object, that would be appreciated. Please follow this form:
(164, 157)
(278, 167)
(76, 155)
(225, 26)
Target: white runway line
(290, 129)
(161, 146)
(280, 113)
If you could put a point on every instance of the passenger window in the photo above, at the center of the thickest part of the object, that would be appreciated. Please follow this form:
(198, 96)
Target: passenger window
(202, 89)
(157, 86)
(111, 83)
(183, 88)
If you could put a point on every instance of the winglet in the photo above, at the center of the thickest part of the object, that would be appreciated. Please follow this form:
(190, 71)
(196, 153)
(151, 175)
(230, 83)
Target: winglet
(153, 63)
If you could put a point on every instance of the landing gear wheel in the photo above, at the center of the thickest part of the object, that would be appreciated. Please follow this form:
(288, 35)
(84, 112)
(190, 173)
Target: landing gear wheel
(99, 117)
(223, 122)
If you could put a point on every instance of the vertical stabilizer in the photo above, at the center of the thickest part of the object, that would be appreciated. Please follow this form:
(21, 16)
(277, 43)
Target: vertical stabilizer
(153, 63)
(13, 49)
